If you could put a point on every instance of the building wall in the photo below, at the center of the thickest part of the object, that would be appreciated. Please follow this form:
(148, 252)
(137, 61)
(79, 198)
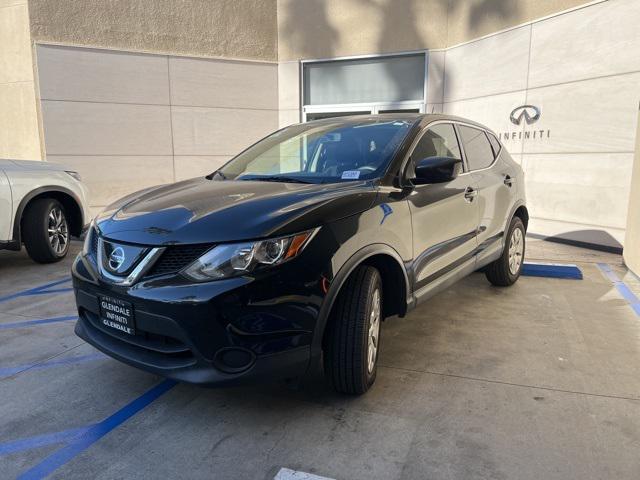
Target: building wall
(245, 29)
(19, 132)
(631, 251)
(582, 69)
(335, 28)
(129, 120)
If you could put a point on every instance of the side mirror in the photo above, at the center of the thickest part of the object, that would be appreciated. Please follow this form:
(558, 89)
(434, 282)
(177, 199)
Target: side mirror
(437, 169)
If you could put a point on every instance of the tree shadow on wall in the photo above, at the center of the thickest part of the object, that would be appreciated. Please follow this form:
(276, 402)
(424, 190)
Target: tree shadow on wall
(316, 42)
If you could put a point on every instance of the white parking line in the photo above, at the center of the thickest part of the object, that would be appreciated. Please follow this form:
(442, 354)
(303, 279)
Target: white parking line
(288, 474)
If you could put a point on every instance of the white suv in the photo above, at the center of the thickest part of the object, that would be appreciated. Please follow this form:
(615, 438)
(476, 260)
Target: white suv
(41, 205)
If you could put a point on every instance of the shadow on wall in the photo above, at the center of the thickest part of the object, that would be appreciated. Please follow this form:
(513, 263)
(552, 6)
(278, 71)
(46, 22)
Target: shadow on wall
(398, 20)
(318, 42)
(593, 239)
(482, 14)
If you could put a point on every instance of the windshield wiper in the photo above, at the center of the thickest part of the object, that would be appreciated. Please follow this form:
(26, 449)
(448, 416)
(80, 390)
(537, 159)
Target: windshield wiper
(276, 178)
(217, 172)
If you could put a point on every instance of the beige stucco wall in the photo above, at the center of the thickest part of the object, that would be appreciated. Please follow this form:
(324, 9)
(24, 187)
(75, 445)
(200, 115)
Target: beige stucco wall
(631, 251)
(243, 29)
(19, 133)
(335, 28)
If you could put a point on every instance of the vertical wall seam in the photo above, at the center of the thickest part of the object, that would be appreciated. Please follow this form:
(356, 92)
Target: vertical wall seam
(173, 150)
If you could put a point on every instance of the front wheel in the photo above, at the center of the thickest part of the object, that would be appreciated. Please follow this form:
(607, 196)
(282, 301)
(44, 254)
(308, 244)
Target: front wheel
(507, 269)
(45, 230)
(353, 336)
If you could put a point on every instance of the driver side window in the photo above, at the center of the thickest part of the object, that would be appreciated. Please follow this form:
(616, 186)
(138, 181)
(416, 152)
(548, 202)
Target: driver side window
(438, 141)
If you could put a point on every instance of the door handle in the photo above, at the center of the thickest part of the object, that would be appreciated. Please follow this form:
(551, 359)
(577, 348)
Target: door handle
(470, 194)
(508, 181)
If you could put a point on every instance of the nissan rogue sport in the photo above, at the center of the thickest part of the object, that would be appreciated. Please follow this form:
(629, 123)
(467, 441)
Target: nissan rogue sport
(295, 250)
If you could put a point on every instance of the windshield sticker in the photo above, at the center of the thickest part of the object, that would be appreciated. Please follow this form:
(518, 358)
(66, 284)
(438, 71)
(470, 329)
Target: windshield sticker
(351, 174)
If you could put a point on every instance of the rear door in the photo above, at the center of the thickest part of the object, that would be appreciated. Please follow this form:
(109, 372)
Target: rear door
(495, 185)
(444, 215)
(6, 207)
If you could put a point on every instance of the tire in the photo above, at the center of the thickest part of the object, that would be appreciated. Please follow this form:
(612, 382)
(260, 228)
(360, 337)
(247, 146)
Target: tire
(506, 270)
(353, 336)
(43, 217)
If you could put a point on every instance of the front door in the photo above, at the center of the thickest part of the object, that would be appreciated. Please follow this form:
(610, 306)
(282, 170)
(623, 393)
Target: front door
(444, 216)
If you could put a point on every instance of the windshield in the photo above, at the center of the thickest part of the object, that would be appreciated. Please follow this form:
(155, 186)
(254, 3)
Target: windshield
(324, 152)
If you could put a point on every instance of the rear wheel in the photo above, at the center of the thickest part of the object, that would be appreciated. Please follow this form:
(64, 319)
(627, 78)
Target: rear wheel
(45, 230)
(507, 269)
(353, 336)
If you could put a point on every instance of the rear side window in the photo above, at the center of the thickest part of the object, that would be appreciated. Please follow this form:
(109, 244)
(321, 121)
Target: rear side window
(476, 147)
(494, 144)
(438, 141)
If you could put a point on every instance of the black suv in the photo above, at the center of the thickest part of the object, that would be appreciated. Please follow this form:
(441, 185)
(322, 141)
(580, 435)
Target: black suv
(298, 248)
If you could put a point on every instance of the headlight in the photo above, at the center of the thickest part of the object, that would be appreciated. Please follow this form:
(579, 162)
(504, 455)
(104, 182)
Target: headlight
(75, 175)
(228, 260)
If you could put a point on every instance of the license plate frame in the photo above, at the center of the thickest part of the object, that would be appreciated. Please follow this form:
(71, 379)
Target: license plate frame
(117, 314)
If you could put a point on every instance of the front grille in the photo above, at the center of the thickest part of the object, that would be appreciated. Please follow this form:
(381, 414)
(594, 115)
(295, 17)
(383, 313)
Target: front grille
(176, 258)
(94, 242)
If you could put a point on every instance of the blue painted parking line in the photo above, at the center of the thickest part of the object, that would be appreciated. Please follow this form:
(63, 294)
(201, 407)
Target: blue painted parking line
(38, 441)
(622, 287)
(78, 444)
(9, 371)
(41, 290)
(31, 323)
(551, 270)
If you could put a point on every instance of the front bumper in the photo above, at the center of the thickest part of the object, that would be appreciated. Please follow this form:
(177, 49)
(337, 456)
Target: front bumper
(217, 333)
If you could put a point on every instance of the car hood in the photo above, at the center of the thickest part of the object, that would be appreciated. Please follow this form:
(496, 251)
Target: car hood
(210, 211)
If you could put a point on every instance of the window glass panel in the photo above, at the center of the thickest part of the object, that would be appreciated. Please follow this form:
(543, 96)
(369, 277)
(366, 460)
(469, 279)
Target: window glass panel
(494, 144)
(476, 147)
(438, 141)
(382, 79)
(322, 152)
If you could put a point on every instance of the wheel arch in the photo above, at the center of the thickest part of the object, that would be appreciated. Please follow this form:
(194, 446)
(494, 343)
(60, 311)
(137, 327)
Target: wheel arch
(66, 197)
(392, 270)
(523, 214)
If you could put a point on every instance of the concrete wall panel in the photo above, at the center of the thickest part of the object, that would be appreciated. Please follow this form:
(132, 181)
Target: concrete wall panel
(590, 189)
(289, 85)
(110, 177)
(596, 115)
(595, 41)
(215, 83)
(219, 131)
(492, 65)
(80, 74)
(435, 76)
(198, 166)
(82, 128)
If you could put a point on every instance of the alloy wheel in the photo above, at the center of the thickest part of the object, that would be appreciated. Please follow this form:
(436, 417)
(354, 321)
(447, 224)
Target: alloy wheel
(374, 331)
(516, 251)
(58, 231)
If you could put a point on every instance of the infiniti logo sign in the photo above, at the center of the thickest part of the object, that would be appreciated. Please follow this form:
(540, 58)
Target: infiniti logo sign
(529, 113)
(116, 259)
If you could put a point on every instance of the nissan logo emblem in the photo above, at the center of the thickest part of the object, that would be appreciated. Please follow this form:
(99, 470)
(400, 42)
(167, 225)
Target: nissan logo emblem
(116, 259)
(530, 114)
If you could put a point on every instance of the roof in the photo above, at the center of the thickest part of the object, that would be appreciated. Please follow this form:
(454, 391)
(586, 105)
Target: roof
(421, 118)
